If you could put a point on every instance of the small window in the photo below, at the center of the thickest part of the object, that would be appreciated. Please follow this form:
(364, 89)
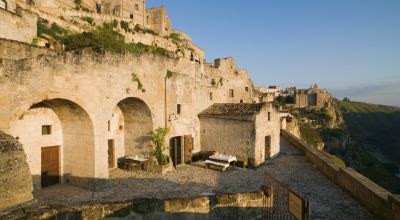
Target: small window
(241, 101)
(148, 19)
(3, 4)
(108, 125)
(231, 93)
(131, 16)
(46, 129)
(121, 127)
(136, 7)
(211, 96)
(246, 89)
(269, 116)
(178, 109)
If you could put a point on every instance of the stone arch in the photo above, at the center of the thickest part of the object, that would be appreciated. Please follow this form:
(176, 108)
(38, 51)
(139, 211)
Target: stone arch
(137, 126)
(73, 134)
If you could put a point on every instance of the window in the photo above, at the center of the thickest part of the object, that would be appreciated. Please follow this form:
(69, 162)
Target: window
(46, 129)
(3, 4)
(136, 7)
(269, 116)
(241, 101)
(131, 16)
(108, 125)
(231, 93)
(178, 109)
(246, 89)
(121, 127)
(211, 95)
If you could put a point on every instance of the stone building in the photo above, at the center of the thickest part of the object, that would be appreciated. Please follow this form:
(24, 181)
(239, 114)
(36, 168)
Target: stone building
(267, 94)
(248, 131)
(78, 112)
(313, 97)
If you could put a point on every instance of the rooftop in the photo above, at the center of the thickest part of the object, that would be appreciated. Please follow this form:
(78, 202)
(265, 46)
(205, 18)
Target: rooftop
(232, 109)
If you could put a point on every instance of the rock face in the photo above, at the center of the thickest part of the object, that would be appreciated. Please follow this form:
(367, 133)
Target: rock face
(15, 178)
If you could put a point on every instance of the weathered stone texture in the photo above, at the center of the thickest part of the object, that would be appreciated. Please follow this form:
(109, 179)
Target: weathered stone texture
(20, 27)
(15, 178)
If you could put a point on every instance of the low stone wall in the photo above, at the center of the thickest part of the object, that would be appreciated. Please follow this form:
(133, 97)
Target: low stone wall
(15, 178)
(375, 198)
(232, 206)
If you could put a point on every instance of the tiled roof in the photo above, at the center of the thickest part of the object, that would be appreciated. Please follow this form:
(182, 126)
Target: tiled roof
(232, 109)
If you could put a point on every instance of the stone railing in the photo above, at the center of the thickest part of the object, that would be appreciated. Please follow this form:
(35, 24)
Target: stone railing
(375, 198)
(227, 206)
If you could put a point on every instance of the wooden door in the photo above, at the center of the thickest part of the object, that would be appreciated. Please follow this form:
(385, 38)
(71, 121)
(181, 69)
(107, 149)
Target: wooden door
(111, 153)
(267, 146)
(176, 150)
(50, 171)
(188, 142)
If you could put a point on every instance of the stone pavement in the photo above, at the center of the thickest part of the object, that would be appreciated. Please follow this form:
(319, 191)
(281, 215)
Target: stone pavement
(291, 168)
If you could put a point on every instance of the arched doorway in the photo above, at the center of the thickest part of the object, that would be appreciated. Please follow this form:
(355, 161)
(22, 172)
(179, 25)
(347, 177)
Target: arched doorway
(57, 136)
(130, 129)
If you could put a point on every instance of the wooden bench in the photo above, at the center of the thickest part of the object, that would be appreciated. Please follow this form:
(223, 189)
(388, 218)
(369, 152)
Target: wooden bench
(216, 165)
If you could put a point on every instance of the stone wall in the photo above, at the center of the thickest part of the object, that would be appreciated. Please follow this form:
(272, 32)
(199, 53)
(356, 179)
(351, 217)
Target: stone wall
(378, 200)
(83, 88)
(229, 136)
(229, 206)
(14, 50)
(20, 26)
(15, 178)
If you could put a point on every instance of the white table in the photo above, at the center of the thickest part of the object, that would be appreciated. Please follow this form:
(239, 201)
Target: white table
(141, 161)
(221, 160)
(223, 157)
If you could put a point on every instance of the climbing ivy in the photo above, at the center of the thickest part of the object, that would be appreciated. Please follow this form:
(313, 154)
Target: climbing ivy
(135, 78)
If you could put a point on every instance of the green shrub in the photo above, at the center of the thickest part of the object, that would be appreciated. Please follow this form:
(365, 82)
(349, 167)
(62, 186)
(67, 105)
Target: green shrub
(55, 31)
(158, 139)
(124, 25)
(338, 161)
(88, 19)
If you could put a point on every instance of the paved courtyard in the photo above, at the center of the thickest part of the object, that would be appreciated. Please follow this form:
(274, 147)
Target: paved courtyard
(291, 168)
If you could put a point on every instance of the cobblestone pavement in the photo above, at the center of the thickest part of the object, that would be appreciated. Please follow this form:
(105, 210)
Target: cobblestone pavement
(291, 168)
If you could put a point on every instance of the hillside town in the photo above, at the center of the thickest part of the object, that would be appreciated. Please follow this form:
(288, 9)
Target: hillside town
(105, 104)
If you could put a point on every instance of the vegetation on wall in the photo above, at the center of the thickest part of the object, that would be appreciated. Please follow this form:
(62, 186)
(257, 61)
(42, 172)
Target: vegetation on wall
(57, 32)
(135, 78)
(88, 19)
(104, 38)
(158, 139)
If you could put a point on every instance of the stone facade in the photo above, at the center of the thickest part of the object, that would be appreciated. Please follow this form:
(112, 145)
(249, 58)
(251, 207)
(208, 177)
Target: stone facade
(93, 99)
(20, 24)
(312, 97)
(96, 102)
(248, 131)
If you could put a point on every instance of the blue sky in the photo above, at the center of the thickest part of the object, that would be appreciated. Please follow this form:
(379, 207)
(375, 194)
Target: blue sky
(351, 47)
